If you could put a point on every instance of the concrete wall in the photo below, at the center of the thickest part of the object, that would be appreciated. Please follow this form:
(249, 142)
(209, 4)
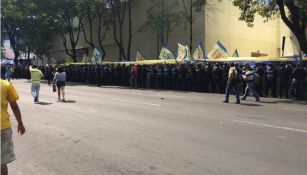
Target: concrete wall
(221, 24)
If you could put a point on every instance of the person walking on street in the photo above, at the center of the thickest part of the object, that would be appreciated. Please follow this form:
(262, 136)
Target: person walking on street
(8, 96)
(59, 80)
(249, 78)
(232, 83)
(36, 76)
(8, 73)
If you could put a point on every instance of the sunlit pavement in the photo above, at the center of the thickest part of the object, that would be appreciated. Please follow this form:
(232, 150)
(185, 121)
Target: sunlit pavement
(119, 131)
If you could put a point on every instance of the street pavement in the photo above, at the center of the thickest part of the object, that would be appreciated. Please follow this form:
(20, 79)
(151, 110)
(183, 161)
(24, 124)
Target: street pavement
(121, 131)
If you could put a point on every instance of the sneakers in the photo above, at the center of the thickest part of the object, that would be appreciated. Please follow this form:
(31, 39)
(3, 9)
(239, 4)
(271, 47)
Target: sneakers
(35, 100)
(243, 98)
(238, 102)
(225, 101)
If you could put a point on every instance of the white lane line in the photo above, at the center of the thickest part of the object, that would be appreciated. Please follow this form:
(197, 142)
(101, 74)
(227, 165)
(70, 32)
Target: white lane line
(169, 95)
(271, 126)
(151, 104)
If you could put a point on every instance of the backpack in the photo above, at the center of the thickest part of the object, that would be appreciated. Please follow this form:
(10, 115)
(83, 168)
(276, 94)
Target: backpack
(237, 76)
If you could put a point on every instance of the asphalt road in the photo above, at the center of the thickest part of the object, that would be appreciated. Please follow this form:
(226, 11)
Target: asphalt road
(117, 131)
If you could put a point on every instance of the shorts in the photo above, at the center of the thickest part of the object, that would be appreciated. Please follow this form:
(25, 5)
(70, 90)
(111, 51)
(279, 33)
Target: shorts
(60, 83)
(7, 147)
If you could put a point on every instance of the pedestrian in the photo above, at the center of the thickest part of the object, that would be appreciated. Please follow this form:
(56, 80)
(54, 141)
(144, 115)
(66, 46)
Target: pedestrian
(36, 76)
(133, 76)
(232, 83)
(8, 96)
(8, 73)
(249, 78)
(59, 80)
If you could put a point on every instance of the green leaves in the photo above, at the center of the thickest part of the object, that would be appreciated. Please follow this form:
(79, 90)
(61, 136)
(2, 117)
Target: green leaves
(292, 12)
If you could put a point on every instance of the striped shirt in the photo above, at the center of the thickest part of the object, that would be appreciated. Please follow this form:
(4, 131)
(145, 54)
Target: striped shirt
(249, 76)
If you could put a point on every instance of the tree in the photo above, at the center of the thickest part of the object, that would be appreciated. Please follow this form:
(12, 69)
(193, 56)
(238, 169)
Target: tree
(11, 21)
(193, 9)
(96, 10)
(104, 21)
(67, 20)
(119, 10)
(292, 12)
(162, 20)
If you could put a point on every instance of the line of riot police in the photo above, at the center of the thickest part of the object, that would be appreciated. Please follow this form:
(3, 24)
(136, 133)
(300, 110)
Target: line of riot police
(279, 80)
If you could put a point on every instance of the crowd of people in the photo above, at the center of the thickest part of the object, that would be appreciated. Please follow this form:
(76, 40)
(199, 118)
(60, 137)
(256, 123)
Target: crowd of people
(272, 80)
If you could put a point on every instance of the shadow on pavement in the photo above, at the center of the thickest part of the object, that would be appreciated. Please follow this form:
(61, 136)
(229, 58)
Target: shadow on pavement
(43, 103)
(69, 101)
(291, 101)
(268, 102)
(250, 104)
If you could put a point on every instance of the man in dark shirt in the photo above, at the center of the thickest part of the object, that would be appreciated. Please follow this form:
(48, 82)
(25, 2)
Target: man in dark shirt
(299, 74)
(284, 78)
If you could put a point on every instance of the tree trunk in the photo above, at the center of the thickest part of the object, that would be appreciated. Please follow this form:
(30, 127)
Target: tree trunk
(191, 36)
(13, 43)
(191, 25)
(130, 32)
(301, 37)
(29, 50)
(74, 54)
(298, 28)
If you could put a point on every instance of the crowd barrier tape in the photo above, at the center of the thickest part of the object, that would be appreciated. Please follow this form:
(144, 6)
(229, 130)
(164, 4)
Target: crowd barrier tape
(230, 59)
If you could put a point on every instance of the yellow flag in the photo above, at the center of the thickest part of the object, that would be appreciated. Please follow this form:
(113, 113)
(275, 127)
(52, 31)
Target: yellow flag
(199, 52)
(139, 56)
(182, 52)
(165, 54)
(218, 52)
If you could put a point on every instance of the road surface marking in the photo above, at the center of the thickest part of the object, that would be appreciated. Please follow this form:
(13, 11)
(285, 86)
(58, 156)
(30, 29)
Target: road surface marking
(271, 126)
(151, 104)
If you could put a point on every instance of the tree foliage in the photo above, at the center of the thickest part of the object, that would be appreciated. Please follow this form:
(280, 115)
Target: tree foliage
(67, 19)
(292, 12)
(11, 22)
(25, 23)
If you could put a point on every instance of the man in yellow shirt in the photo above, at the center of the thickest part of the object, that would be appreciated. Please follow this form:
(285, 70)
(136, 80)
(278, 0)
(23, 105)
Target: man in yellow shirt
(36, 76)
(8, 96)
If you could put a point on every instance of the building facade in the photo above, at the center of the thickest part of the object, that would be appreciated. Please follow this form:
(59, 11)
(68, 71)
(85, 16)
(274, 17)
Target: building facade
(218, 24)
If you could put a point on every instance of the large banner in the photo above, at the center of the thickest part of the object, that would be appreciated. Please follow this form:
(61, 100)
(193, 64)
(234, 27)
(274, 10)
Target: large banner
(96, 59)
(181, 53)
(199, 52)
(165, 54)
(139, 56)
(218, 52)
